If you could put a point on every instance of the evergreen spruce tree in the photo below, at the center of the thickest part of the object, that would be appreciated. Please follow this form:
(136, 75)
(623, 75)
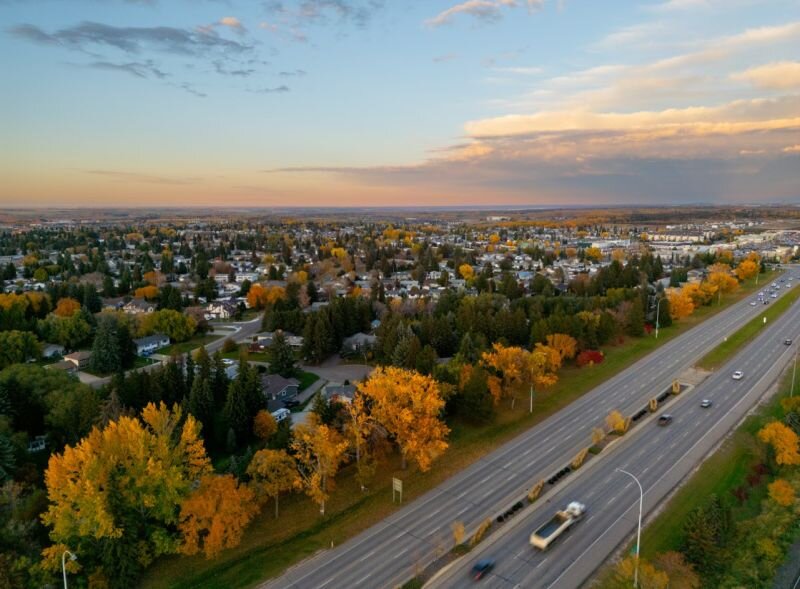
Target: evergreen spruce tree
(201, 405)
(281, 356)
(105, 350)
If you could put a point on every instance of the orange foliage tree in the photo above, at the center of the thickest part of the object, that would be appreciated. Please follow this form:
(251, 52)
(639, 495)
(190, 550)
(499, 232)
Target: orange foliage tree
(215, 515)
(148, 292)
(259, 297)
(154, 277)
(273, 472)
(409, 406)
(782, 492)
(466, 271)
(746, 269)
(517, 367)
(319, 451)
(264, 425)
(67, 307)
(720, 276)
(783, 441)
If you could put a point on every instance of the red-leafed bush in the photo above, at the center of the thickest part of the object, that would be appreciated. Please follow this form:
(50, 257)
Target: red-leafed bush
(648, 329)
(589, 357)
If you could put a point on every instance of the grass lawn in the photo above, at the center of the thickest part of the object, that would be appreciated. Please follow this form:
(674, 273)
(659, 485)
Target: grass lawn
(269, 547)
(724, 471)
(254, 356)
(306, 379)
(189, 345)
(719, 355)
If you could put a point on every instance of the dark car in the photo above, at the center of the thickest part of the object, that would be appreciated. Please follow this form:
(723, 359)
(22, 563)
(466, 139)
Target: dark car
(665, 419)
(290, 404)
(482, 568)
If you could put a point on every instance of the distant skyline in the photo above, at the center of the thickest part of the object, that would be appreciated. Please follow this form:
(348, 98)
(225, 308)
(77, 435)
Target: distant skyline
(381, 103)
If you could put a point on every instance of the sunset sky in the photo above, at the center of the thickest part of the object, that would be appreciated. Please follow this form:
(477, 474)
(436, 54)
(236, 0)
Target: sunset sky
(398, 103)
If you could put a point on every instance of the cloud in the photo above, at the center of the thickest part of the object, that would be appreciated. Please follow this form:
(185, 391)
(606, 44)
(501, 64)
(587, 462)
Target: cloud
(277, 89)
(221, 68)
(132, 40)
(445, 57)
(482, 10)
(791, 149)
(781, 75)
(292, 73)
(146, 69)
(233, 23)
(308, 12)
(525, 71)
(140, 177)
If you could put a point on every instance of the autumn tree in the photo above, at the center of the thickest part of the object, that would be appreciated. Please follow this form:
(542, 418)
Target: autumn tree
(623, 573)
(617, 422)
(319, 451)
(358, 429)
(594, 254)
(565, 345)
(259, 297)
(264, 425)
(719, 275)
(466, 271)
(517, 368)
(746, 269)
(781, 492)
(783, 441)
(148, 292)
(215, 515)
(273, 472)
(115, 497)
(681, 574)
(67, 307)
(681, 304)
(409, 406)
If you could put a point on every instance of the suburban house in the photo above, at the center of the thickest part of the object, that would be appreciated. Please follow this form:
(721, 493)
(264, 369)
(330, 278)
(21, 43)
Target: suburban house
(220, 310)
(52, 350)
(274, 387)
(136, 306)
(151, 343)
(339, 393)
(79, 359)
(62, 365)
(358, 343)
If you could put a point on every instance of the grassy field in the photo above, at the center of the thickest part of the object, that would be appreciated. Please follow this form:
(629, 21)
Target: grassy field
(306, 379)
(270, 547)
(189, 345)
(724, 471)
(719, 355)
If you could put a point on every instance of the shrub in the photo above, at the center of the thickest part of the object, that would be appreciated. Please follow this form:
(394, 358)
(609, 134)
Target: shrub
(535, 491)
(589, 357)
(481, 532)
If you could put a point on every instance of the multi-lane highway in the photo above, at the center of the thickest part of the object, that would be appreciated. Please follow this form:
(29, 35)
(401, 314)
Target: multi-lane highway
(388, 553)
(659, 456)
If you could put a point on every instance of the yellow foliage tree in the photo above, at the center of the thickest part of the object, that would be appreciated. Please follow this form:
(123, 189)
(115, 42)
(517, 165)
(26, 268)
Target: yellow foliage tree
(617, 422)
(594, 254)
(681, 574)
(518, 367)
(783, 440)
(215, 515)
(273, 472)
(154, 277)
(466, 271)
(129, 478)
(67, 307)
(409, 406)
(319, 451)
(781, 492)
(720, 276)
(565, 345)
(681, 304)
(259, 297)
(649, 576)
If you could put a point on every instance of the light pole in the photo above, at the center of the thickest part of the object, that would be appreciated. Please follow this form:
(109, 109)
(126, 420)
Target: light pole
(794, 370)
(639, 530)
(531, 409)
(657, 315)
(64, 564)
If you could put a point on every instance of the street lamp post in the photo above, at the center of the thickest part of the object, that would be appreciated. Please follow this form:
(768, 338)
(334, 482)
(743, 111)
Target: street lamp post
(657, 314)
(531, 408)
(639, 530)
(794, 371)
(64, 564)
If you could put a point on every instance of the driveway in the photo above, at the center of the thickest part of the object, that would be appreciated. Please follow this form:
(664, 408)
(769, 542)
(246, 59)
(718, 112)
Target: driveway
(333, 370)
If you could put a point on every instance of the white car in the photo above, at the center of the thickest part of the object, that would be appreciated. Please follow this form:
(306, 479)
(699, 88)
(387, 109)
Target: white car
(752, 303)
(738, 375)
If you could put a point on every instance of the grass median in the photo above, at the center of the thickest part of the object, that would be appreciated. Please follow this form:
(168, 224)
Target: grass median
(270, 546)
(719, 355)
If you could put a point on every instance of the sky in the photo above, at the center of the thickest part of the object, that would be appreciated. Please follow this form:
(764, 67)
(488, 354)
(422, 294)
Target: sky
(150, 103)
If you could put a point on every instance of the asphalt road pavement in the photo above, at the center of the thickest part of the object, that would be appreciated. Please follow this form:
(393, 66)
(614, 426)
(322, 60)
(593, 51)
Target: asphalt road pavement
(389, 553)
(659, 456)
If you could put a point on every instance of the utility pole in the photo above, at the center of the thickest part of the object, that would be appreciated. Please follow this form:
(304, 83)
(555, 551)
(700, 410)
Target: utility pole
(658, 306)
(794, 371)
(639, 530)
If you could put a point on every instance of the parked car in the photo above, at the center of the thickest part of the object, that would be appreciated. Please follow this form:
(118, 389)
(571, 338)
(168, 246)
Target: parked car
(705, 403)
(665, 419)
(482, 568)
(291, 403)
(738, 375)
